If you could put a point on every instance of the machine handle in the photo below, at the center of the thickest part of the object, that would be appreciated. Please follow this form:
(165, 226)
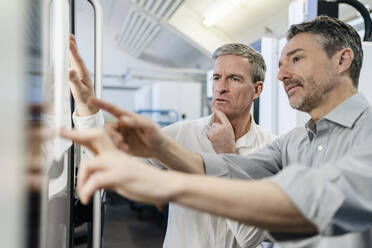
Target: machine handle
(98, 22)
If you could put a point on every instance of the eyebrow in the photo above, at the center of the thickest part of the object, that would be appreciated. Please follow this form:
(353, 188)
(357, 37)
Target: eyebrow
(229, 75)
(291, 53)
(294, 51)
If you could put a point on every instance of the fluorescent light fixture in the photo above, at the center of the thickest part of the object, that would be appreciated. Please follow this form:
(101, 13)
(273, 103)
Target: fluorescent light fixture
(219, 10)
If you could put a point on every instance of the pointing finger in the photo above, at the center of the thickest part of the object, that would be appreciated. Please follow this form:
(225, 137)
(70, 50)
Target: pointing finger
(136, 121)
(82, 137)
(111, 108)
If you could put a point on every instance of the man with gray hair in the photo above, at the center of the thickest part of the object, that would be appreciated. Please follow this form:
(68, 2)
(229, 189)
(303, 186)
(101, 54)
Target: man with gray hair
(238, 76)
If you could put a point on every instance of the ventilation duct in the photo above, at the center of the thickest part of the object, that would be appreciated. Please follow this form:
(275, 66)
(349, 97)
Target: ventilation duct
(143, 23)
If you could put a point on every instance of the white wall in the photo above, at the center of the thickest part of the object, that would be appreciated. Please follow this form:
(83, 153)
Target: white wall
(269, 96)
(365, 81)
(185, 97)
(121, 98)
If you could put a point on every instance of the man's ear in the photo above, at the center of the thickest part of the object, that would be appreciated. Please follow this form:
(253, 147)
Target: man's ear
(258, 87)
(345, 57)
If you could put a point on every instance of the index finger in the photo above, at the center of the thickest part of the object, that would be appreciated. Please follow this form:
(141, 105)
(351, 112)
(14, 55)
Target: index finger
(82, 137)
(220, 116)
(75, 55)
(111, 108)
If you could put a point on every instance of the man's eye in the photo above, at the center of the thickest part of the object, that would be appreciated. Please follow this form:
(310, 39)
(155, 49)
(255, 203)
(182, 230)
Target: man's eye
(216, 78)
(235, 79)
(296, 59)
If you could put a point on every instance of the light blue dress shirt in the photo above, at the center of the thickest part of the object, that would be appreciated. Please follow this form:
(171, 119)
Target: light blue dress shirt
(326, 171)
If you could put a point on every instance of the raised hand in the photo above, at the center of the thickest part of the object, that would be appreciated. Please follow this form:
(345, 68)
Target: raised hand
(221, 133)
(80, 82)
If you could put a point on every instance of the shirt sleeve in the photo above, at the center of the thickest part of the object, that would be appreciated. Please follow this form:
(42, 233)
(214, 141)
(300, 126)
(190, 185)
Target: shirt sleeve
(247, 236)
(92, 121)
(172, 130)
(85, 122)
(336, 197)
(264, 162)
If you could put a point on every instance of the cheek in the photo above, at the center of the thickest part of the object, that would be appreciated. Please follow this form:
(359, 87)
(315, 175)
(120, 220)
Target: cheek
(214, 89)
(242, 95)
(315, 74)
(247, 92)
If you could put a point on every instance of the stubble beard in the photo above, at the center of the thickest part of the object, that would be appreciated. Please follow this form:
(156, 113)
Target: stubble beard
(316, 93)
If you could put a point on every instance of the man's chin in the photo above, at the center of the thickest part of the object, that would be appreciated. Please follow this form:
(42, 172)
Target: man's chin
(298, 106)
(294, 105)
(220, 108)
(294, 101)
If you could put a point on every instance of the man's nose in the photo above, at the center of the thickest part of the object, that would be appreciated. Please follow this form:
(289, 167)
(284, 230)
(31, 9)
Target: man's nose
(284, 73)
(222, 86)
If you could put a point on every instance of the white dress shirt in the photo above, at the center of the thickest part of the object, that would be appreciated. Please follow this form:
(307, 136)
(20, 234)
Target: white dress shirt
(190, 228)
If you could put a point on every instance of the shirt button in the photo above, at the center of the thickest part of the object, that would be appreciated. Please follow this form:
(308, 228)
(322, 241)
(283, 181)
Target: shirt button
(320, 147)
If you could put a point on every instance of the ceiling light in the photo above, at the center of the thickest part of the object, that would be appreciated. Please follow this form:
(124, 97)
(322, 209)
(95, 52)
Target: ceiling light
(219, 10)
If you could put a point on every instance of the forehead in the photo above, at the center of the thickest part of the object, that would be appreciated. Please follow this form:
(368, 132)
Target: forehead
(232, 64)
(306, 42)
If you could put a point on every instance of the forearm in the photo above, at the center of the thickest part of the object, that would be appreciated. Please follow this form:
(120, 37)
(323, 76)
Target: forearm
(176, 157)
(258, 203)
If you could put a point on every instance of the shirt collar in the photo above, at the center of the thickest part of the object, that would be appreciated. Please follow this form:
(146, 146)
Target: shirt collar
(247, 139)
(345, 114)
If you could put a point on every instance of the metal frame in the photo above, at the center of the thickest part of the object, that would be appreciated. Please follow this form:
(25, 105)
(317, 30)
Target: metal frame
(98, 23)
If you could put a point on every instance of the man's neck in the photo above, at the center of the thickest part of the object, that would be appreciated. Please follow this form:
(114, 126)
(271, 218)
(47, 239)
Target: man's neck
(332, 100)
(241, 125)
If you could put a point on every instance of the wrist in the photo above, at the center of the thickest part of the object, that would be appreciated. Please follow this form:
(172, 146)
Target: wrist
(225, 149)
(177, 185)
(163, 147)
(83, 110)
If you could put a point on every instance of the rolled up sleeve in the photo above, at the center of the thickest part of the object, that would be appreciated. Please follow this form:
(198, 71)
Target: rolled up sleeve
(262, 163)
(215, 165)
(336, 198)
(313, 192)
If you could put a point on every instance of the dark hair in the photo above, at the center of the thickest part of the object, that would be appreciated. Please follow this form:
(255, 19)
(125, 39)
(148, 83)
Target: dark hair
(258, 63)
(333, 35)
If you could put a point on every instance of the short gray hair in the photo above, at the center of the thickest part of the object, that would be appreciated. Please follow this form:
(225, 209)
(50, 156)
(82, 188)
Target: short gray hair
(258, 63)
(333, 35)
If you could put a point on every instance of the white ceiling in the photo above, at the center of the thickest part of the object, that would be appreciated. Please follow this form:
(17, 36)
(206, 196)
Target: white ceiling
(248, 15)
(184, 42)
(247, 22)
